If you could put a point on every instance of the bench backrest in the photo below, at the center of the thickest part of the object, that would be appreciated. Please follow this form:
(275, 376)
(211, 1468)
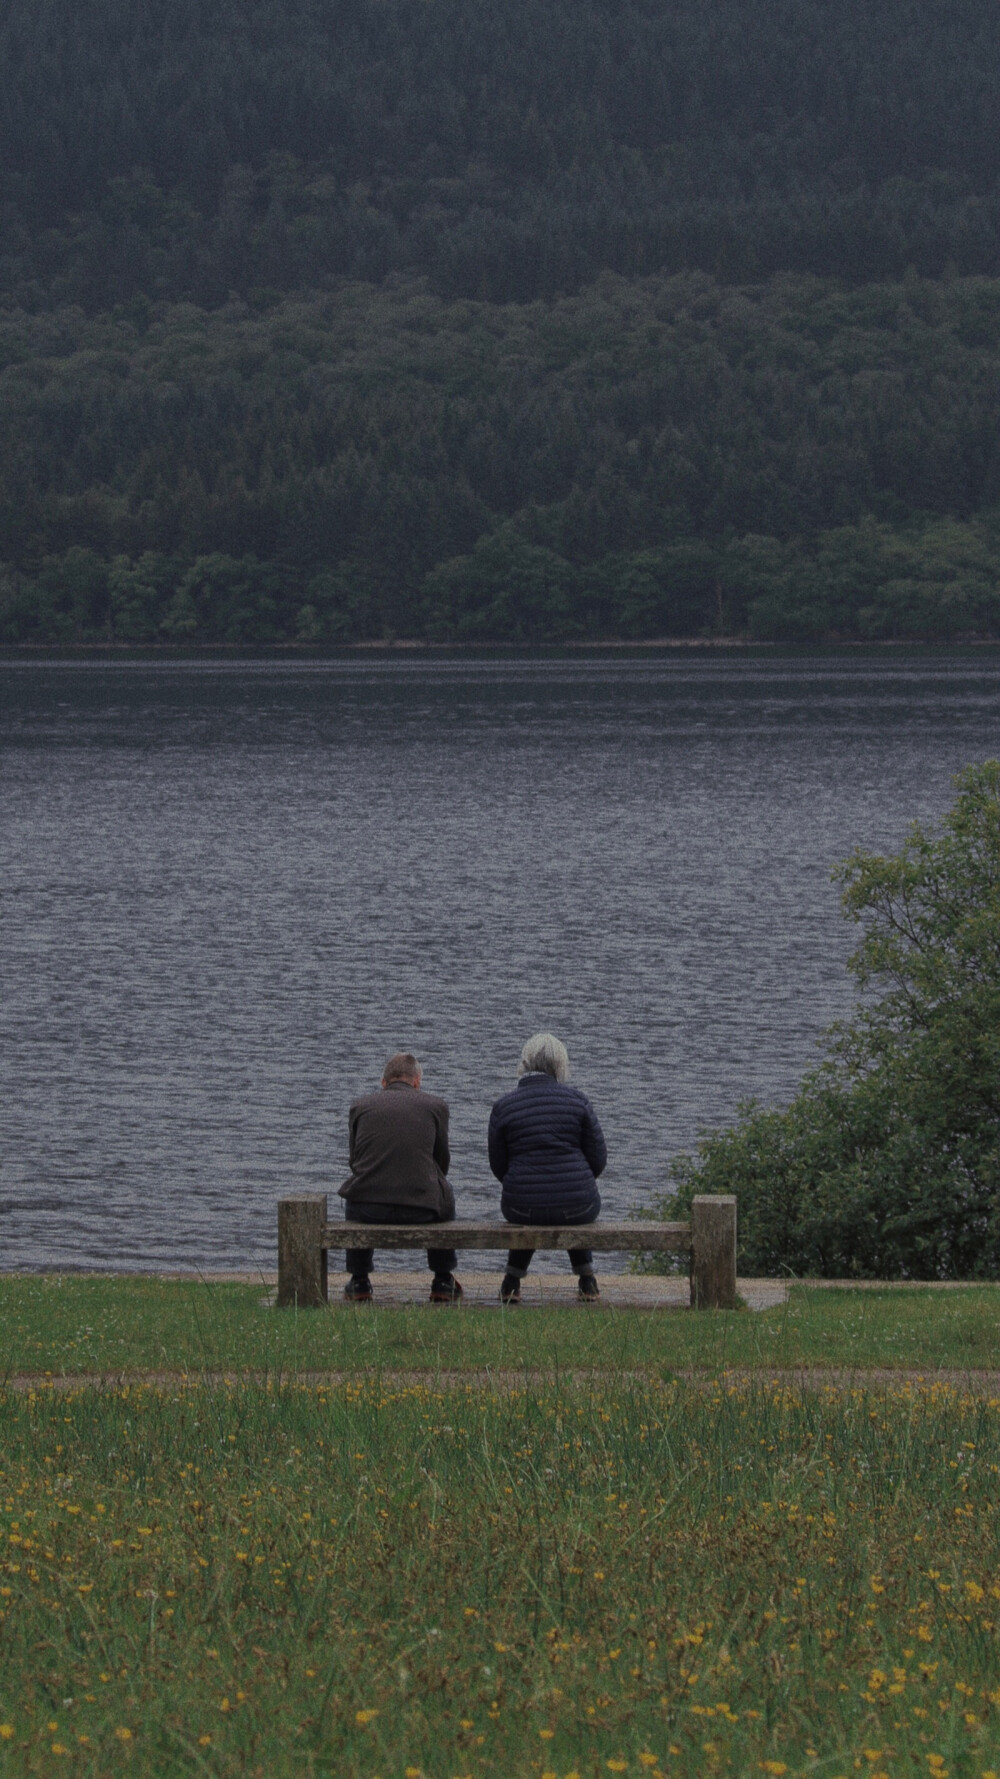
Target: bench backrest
(607, 1237)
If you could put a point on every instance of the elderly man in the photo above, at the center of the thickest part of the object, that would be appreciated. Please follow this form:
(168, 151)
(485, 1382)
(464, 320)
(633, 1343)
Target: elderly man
(399, 1161)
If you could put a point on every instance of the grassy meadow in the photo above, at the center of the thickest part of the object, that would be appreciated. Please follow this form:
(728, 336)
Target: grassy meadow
(574, 1563)
(618, 1578)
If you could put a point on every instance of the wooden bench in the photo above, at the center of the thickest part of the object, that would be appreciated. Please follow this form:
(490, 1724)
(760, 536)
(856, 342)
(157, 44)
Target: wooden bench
(305, 1234)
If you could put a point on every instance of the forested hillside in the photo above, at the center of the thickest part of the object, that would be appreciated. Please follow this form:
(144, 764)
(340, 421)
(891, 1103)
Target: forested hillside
(326, 322)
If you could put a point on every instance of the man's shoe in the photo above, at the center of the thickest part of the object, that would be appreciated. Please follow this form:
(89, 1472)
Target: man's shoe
(358, 1289)
(588, 1288)
(445, 1289)
(510, 1288)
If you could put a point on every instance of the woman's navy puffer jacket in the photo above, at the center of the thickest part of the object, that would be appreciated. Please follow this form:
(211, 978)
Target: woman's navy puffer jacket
(546, 1147)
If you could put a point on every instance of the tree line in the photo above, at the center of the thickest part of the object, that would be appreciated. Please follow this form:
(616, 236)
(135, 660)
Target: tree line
(414, 317)
(188, 150)
(644, 458)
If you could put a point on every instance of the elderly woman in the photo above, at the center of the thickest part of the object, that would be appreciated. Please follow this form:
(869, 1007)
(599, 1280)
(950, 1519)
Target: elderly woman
(547, 1150)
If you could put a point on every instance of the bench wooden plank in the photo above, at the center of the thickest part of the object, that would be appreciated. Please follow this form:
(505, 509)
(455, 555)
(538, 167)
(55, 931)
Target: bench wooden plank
(604, 1237)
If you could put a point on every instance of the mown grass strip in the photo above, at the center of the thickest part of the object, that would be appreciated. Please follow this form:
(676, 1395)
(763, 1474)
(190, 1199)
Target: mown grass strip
(73, 1325)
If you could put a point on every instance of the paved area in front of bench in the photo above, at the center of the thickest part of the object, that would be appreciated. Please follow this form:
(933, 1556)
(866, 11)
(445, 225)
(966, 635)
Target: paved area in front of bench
(636, 1290)
(481, 1287)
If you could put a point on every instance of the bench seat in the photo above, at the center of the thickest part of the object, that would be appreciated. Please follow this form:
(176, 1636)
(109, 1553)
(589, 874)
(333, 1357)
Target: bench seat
(305, 1235)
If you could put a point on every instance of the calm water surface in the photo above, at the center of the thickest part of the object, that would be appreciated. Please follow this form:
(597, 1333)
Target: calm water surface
(229, 891)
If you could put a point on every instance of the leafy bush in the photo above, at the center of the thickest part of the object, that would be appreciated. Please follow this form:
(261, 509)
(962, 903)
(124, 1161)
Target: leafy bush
(887, 1162)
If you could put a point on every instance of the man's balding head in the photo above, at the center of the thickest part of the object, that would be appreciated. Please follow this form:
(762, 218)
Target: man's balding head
(401, 1067)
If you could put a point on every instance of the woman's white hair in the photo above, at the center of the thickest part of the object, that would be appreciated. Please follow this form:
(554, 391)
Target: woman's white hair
(543, 1054)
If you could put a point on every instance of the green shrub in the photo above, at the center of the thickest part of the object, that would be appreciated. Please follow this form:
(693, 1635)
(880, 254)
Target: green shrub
(887, 1162)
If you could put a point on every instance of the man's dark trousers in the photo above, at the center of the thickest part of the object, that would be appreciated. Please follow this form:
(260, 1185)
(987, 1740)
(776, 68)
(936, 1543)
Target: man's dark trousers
(359, 1260)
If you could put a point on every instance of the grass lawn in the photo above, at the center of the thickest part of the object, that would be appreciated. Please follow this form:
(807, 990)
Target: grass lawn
(583, 1567)
(71, 1324)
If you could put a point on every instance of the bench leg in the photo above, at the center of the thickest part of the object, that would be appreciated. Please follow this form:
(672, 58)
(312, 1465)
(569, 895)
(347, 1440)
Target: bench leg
(301, 1254)
(713, 1253)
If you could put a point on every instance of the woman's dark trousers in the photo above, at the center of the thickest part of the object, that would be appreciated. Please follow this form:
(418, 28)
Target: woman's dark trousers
(580, 1259)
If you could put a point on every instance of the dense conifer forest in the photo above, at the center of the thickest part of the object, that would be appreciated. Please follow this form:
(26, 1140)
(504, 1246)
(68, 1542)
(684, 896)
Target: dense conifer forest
(416, 318)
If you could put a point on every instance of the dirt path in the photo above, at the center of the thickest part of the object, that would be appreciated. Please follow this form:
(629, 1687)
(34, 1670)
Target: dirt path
(877, 1379)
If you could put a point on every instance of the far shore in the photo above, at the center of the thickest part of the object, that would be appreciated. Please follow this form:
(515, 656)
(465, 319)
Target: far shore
(284, 651)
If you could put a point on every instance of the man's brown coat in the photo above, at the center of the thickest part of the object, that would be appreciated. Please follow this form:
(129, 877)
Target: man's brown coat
(399, 1150)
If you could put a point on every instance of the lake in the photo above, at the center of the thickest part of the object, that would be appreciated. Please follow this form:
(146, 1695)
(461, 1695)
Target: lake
(231, 889)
